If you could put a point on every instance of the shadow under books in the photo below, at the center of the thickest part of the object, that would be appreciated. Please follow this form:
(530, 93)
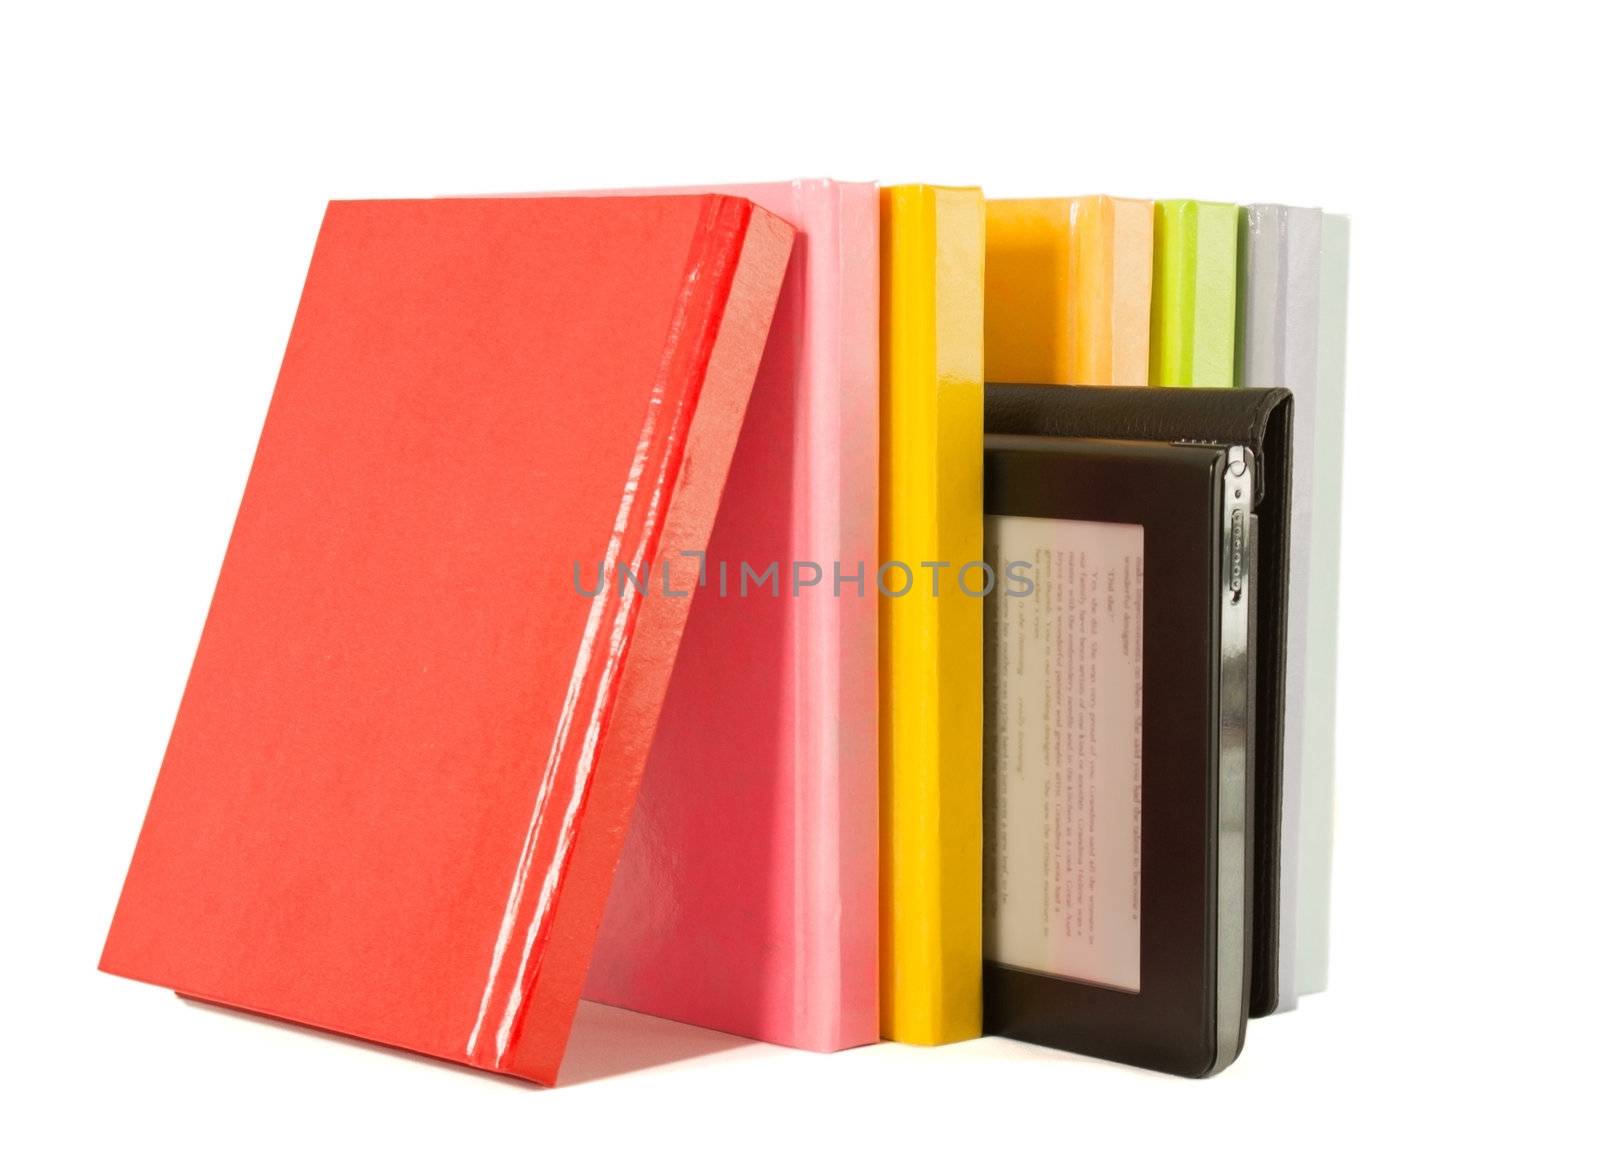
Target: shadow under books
(606, 1041)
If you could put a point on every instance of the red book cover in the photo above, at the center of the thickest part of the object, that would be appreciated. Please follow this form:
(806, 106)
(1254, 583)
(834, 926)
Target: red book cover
(401, 773)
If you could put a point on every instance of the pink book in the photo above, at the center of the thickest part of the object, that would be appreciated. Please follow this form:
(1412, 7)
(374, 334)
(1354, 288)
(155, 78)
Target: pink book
(747, 895)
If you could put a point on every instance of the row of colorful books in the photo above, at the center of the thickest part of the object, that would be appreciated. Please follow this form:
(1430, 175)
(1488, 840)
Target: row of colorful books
(803, 862)
(1093, 290)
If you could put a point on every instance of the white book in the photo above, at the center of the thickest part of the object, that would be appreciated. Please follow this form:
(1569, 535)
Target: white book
(1322, 624)
(1279, 315)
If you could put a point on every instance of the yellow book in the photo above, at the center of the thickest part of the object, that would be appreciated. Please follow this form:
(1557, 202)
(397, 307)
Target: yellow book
(931, 633)
(1067, 293)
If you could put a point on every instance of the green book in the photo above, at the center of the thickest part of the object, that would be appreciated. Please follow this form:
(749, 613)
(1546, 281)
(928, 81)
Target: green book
(1192, 294)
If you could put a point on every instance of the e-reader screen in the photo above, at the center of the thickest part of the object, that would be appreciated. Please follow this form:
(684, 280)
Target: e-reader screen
(1062, 788)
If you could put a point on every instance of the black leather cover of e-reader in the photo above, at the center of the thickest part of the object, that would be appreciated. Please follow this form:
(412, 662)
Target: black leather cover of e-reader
(1171, 1022)
(1258, 418)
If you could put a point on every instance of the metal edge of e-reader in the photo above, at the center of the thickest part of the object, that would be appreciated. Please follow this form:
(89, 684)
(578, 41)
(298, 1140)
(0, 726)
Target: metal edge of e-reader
(1233, 750)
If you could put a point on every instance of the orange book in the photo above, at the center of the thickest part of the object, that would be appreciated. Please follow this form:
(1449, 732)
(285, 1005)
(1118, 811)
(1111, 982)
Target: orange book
(1067, 295)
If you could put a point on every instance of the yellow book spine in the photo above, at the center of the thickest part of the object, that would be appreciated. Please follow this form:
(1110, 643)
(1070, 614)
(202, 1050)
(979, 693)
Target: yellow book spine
(931, 632)
(1067, 296)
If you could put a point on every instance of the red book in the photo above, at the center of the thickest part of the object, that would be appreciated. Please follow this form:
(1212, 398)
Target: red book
(402, 769)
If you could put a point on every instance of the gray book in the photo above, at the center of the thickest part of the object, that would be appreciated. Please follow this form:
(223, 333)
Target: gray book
(1291, 334)
(1322, 624)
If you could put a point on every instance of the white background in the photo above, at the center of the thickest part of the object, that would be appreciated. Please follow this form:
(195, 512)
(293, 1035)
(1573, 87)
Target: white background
(164, 173)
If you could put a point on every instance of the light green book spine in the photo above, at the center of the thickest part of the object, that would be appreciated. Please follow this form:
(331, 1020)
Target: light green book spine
(1192, 294)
